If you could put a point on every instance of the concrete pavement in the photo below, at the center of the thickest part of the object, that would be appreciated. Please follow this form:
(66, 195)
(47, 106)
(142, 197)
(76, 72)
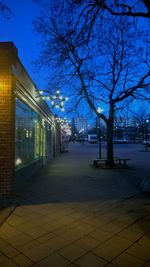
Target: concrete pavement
(72, 214)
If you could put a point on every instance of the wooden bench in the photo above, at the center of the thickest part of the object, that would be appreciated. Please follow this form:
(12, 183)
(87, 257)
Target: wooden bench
(96, 162)
(120, 161)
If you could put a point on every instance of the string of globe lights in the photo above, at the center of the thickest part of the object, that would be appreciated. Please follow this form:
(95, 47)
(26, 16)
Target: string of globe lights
(63, 123)
(56, 100)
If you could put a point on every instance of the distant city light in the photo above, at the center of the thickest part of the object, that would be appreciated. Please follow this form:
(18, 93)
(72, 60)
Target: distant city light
(100, 110)
(18, 161)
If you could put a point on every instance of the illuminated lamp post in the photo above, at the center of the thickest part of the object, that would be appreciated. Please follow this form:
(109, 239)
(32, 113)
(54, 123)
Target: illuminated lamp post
(99, 110)
(146, 143)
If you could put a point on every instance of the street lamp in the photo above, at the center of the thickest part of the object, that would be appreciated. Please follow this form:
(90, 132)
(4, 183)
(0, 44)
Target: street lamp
(146, 122)
(99, 110)
(56, 100)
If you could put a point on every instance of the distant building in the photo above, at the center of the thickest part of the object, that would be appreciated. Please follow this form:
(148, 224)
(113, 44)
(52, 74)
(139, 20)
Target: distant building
(131, 128)
(80, 123)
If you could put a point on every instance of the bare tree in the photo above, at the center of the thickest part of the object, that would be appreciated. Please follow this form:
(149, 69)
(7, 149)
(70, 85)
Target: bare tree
(5, 10)
(107, 65)
(140, 116)
(116, 7)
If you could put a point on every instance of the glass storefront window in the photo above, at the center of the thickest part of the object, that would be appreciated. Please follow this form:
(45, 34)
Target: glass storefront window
(30, 135)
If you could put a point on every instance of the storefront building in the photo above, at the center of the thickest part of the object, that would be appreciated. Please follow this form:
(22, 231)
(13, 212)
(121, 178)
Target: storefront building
(29, 136)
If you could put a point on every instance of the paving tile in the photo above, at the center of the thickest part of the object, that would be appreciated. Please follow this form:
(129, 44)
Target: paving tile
(7, 231)
(72, 265)
(146, 264)
(21, 211)
(87, 243)
(130, 234)
(75, 224)
(54, 260)
(67, 220)
(85, 228)
(26, 226)
(36, 232)
(9, 251)
(72, 235)
(22, 261)
(35, 265)
(3, 243)
(101, 235)
(28, 245)
(106, 252)
(110, 265)
(36, 219)
(114, 227)
(37, 253)
(61, 230)
(9, 263)
(119, 242)
(90, 260)
(45, 237)
(51, 226)
(139, 251)
(126, 260)
(72, 252)
(56, 243)
(15, 220)
(33, 230)
(145, 240)
(3, 258)
(19, 240)
(98, 222)
(126, 219)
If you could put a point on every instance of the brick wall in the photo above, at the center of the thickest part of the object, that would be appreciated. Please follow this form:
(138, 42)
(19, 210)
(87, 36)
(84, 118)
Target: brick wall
(7, 118)
(15, 81)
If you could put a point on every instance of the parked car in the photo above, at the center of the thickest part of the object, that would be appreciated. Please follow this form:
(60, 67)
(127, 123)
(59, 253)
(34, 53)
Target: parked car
(92, 138)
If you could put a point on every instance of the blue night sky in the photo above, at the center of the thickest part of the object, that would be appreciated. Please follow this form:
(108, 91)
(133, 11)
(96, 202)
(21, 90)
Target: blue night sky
(19, 30)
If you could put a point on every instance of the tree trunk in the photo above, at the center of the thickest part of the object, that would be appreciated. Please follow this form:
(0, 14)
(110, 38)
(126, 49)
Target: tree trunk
(110, 127)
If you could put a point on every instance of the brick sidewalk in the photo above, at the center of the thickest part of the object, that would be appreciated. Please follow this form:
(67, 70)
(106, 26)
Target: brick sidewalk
(72, 214)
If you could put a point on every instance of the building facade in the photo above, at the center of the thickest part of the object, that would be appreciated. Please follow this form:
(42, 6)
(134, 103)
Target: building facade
(29, 135)
(80, 123)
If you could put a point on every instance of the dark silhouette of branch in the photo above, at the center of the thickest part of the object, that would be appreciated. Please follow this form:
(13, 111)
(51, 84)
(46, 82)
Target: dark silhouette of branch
(119, 9)
(130, 91)
(5, 10)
